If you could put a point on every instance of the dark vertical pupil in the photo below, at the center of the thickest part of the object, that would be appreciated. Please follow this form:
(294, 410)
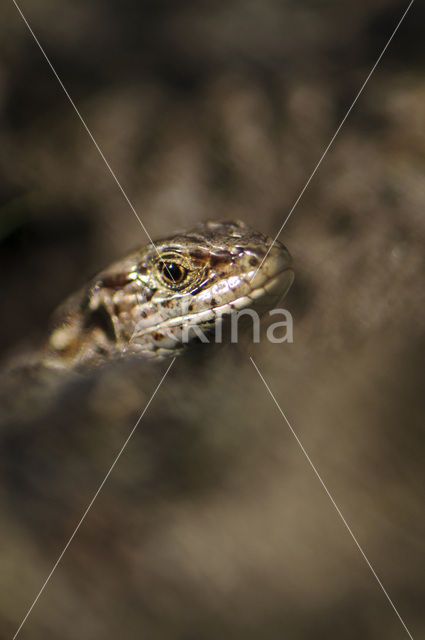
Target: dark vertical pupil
(172, 272)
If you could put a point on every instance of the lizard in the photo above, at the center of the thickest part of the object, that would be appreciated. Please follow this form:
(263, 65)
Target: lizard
(161, 297)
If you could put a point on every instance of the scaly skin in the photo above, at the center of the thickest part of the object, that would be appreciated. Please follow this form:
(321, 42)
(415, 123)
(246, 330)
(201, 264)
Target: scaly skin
(146, 303)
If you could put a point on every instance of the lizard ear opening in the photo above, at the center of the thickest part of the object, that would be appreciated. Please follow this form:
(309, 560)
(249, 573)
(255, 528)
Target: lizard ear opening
(101, 319)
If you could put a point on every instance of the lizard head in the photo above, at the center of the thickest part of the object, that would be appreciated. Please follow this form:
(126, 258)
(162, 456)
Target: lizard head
(173, 292)
(198, 277)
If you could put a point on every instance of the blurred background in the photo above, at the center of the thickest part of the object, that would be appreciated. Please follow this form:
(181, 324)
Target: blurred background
(213, 524)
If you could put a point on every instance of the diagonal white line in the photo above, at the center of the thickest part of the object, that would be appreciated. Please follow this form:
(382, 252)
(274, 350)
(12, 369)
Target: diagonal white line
(338, 510)
(341, 124)
(93, 499)
(83, 122)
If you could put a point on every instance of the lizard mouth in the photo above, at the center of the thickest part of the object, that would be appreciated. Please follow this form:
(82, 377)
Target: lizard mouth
(261, 298)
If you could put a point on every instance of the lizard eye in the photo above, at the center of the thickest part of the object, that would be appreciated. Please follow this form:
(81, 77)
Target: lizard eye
(172, 272)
